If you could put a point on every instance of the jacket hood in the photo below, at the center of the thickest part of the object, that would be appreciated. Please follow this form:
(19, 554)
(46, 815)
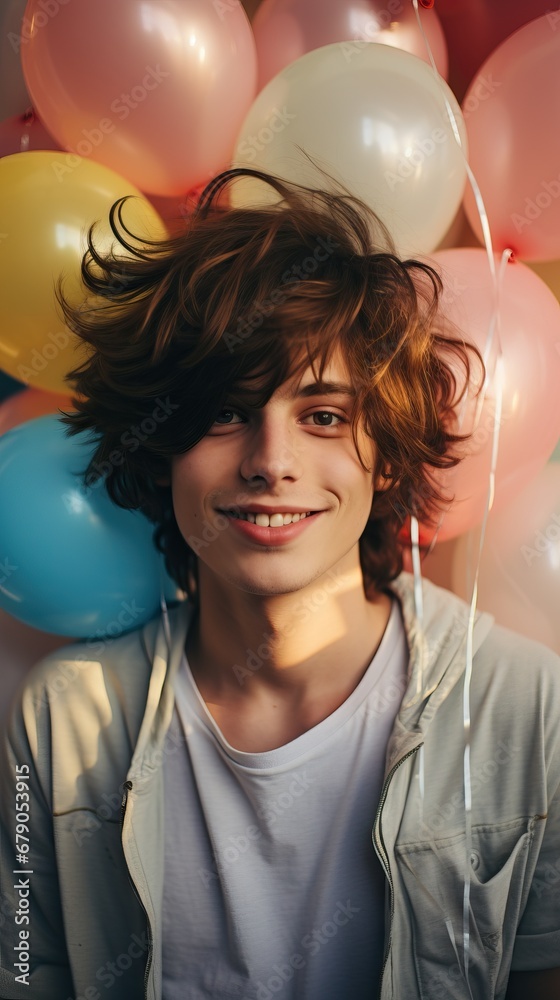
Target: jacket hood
(438, 655)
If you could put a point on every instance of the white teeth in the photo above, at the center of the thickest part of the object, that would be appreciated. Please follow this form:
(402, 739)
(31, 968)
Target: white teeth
(275, 520)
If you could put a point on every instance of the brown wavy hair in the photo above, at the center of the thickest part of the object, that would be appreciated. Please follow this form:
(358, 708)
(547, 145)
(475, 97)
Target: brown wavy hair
(261, 293)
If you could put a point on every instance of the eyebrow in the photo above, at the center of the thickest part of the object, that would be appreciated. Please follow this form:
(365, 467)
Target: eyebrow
(326, 389)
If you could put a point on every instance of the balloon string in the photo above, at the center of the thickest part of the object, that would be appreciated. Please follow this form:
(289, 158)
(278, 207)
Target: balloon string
(164, 611)
(498, 375)
(419, 608)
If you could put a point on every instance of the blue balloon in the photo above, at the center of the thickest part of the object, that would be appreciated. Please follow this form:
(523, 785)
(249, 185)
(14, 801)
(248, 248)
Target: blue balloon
(71, 561)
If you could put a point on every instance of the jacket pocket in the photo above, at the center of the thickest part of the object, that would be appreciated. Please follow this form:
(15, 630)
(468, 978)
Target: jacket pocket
(433, 878)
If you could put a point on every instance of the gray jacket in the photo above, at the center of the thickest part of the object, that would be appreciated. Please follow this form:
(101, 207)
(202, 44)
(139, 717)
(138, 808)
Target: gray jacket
(89, 734)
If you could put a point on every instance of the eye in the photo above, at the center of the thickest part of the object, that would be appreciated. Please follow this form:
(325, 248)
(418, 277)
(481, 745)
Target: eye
(226, 413)
(328, 414)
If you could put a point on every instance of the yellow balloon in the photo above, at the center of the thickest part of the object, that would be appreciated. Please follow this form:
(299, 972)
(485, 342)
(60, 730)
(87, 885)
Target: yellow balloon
(48, 200)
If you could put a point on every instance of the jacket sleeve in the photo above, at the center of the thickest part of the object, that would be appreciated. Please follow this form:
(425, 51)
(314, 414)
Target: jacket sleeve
(33, 955)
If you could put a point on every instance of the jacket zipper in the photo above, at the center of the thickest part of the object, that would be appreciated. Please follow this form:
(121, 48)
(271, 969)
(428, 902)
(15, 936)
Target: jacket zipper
(127, 786)
(383, 856)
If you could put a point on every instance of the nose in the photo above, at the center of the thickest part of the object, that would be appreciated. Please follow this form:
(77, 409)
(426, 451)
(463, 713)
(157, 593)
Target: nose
(272, 452)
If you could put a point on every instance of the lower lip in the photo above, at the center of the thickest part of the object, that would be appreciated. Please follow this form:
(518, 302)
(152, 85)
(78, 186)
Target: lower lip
(273, 536)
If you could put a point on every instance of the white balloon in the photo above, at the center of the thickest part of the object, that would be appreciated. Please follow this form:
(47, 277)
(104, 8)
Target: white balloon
(375, 118)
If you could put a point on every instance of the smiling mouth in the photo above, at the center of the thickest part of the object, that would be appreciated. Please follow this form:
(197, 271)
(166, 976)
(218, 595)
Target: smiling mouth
(276, 520)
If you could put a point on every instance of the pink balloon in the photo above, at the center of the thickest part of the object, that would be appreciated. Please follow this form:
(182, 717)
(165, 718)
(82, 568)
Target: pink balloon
(287, 29)
(529, 318)
(23, 133)
(156, 90)
(512, 111)
(519, 578)
(474, 29)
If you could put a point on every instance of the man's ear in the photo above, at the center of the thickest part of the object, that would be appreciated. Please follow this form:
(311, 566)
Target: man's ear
(381, 479)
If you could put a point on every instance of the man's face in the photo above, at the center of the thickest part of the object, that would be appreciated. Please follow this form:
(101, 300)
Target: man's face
(295, 454)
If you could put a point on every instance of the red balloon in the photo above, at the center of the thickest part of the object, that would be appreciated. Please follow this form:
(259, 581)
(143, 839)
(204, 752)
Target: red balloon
(474, 29)
(511, 111)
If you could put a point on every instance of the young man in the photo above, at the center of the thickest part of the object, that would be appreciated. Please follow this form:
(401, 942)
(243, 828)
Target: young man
(261, 794)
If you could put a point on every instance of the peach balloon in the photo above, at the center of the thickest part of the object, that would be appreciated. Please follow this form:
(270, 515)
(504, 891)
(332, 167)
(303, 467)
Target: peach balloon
(511, 112)
(519, 578)
(530, 420)
(286, 29)
(28, 404)
(154, 90)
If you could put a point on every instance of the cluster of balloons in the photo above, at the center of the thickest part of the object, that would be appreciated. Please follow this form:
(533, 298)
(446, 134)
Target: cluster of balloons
(185, 88)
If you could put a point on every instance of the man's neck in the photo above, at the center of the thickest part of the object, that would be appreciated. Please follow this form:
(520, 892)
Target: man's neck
(271, 668)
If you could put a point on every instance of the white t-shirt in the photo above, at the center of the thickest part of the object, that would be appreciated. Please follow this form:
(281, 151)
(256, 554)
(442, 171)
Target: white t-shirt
(272, 886)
